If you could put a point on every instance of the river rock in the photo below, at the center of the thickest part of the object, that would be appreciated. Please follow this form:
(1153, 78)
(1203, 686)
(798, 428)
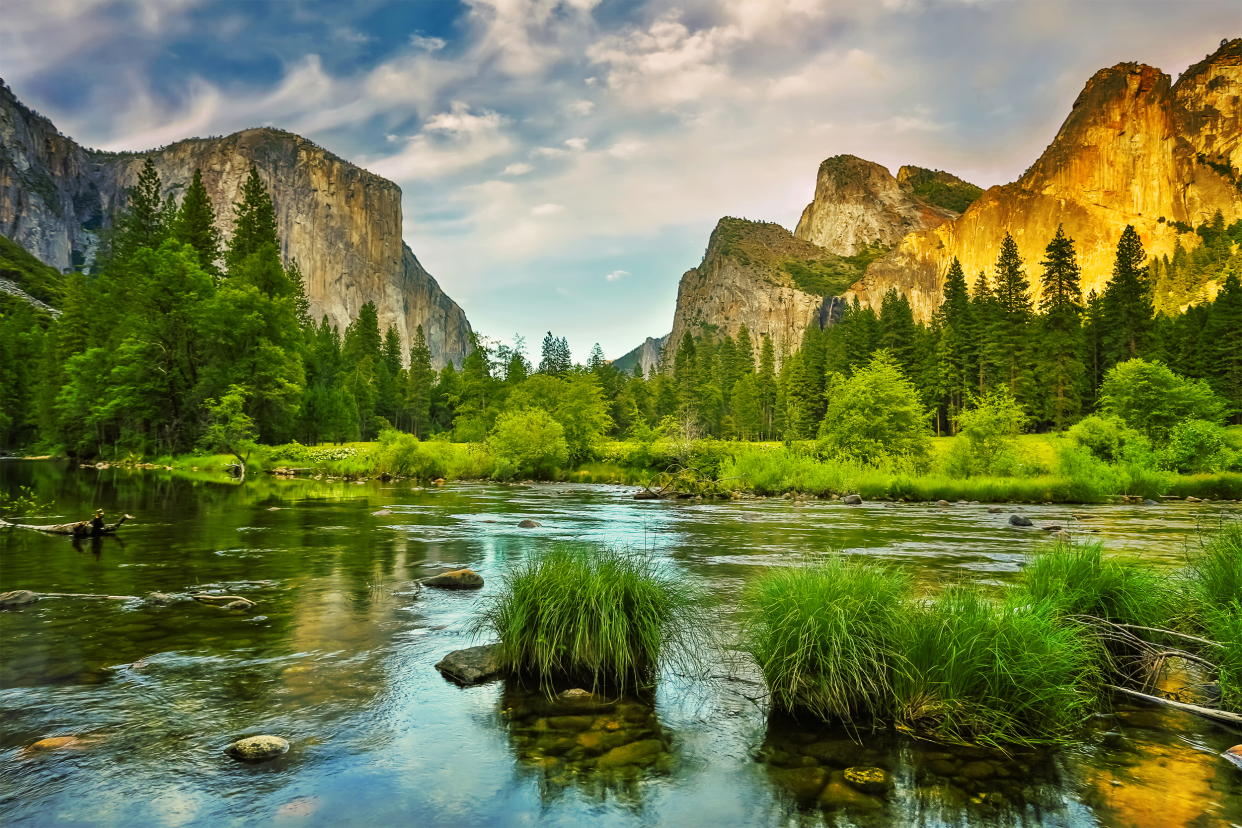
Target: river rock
(852, 500)
(257, 748)
(1150, 502)
(238, 605)
(1019, 520)
(869, 780)
(54, 743)
(942, 503)
(841, 752)
(382, 513)
(159, 599)
(942, 767)
(977, 770)
(635, 753)
(580, 699)
(1192, 499)
(456, 579)
(474, 665)
(995, 510)
(804, 783)
(530, 524)
(838, 794)
(1234, 754)
(17, 597)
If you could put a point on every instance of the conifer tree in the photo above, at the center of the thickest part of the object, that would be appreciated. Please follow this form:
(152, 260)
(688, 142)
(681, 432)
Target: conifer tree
(419, 381)
(745, 350)
(953, 347)
(1223, 336)
(1128, 307)
(1061, 341)
(983, 311)
(1009, 339)
(747, 409)
(142, 224)
(195, 225)
(254, 225)
(596, 361)
(1093, 346)
(767, 384)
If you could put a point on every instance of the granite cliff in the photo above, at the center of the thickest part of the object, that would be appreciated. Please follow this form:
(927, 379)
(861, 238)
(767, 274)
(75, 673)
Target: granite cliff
(858, 204)
(646, 355)
(340, 223)
(761, 275)
(1135, 149)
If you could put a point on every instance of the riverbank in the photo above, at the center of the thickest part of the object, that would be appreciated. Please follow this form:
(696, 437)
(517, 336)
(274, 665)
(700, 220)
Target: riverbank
(1049, 469)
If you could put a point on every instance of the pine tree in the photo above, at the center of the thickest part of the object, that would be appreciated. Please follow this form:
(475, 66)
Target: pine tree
(254, 225)
(686, 374)
(1128, 307)
(418, 386)
(745, 350)
(595, 360)
(954, 351)
(747, 408)
(1010, 333)
(983, 311)
(897, 329)
(1061, 335)
(142, 224)
(767, 384)
(195, 225)
(1093, 346)
(1222, 335)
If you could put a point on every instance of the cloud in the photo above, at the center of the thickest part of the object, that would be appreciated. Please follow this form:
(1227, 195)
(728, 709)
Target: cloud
(520, 168)
(580, 108)
(448, 143)
(427, 44)
(617, 274)
(547, 210)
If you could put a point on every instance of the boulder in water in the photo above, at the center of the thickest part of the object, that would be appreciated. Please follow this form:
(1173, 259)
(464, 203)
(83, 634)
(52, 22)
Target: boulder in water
(530, 524)
(995, 510)
(456, 579)
(1019, 520)
(257, 748)
(852, 500)
(159, 599)
(474, 665)
(869, 780)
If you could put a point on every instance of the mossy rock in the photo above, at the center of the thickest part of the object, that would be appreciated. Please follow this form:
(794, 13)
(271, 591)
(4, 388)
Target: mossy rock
(804, 783)
(869, 780)
(636, 753)
(257, 748)
(839, 794)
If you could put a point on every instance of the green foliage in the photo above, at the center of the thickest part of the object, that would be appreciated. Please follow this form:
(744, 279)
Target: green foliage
(254, 225)
(941, 190)
(1127, 302)
(23, 501)
(1107, 438)
(874, 414)
(593, 617)
(1149, 397)
(528, 442)
(1197, 447)
(28, 273)
(402, 455)
(231, 429)
(989, 428)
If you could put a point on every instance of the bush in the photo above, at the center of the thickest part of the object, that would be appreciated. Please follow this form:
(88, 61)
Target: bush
(604, 617)
(874, 414)
(990, 427)
(1149, 397)
(1197, 447)
(528, 443)
(822, 635)
(402, 455)
(1105, 437)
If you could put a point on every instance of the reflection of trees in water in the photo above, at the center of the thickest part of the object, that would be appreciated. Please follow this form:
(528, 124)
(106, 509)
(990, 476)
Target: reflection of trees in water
(602, 746)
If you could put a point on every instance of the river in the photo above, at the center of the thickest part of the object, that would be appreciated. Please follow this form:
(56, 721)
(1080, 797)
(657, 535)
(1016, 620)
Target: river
(337, 657)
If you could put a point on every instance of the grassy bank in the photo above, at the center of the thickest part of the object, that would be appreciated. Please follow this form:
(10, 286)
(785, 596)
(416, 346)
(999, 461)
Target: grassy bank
(1047, 469)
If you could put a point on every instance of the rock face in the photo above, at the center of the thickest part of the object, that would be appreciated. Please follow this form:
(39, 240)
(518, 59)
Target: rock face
(1135, 149)
(340, 223)
(646, 355)
(858, 203)
(743, 279)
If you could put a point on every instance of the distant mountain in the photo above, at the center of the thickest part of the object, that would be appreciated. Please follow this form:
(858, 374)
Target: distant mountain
(646, 355)
(341, 223)
(1135, 149)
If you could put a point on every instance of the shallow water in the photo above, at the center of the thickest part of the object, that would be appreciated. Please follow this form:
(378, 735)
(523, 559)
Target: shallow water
(337, 657)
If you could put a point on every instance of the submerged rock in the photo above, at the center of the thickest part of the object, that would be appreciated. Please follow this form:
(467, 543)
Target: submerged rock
(995, 510)
(456, 579)
(838, 794)
(17, 597)
(942, 503)
(159, 599)
(474, 665)
(584, 700)
(635, 753)
(852, 500)
(54, 743)
(257, 748)
(1019, 520)
(530, 524)
(804, 783)
(869, 780)
(1234, 754)
(978, 770)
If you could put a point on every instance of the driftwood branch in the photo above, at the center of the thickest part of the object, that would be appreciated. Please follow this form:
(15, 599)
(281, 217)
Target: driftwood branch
(1206, 712)
(81, 529)
(207, 598)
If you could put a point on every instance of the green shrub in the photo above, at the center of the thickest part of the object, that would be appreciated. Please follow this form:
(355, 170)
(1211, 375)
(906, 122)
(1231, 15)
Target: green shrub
(402, 455)
(822, 635)
(604, 617)
(1090, 479)
(1151, 398)
(1105, 437)
(874, 414)
(1196, 447)
(990, 427)
(528, 443)
(1224, 625)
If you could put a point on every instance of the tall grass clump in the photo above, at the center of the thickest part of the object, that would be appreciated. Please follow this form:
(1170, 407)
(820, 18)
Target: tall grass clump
(975, 671)
(822, 635)
(1214, 601)
(602, 616)
(1078, 579)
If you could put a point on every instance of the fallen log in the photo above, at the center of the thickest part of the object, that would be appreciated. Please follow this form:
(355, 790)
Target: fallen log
(81, 529)
(1205, 712)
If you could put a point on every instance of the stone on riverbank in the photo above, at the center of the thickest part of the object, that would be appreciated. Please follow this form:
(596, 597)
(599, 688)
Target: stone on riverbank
(17, 598)
(1019, 520)
(852, 500)
(456, 579)
(474, 665)
(257, 748)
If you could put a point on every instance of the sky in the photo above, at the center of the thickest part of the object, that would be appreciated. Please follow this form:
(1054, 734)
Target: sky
(563, 162)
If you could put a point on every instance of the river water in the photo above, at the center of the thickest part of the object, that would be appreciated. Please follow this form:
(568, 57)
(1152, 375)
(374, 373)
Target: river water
(337, 657)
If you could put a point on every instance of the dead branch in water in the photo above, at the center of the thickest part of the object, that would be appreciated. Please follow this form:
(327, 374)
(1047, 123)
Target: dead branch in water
(1206, 712)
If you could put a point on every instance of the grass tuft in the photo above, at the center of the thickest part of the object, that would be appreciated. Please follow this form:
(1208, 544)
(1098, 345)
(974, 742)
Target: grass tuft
(601, 616)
